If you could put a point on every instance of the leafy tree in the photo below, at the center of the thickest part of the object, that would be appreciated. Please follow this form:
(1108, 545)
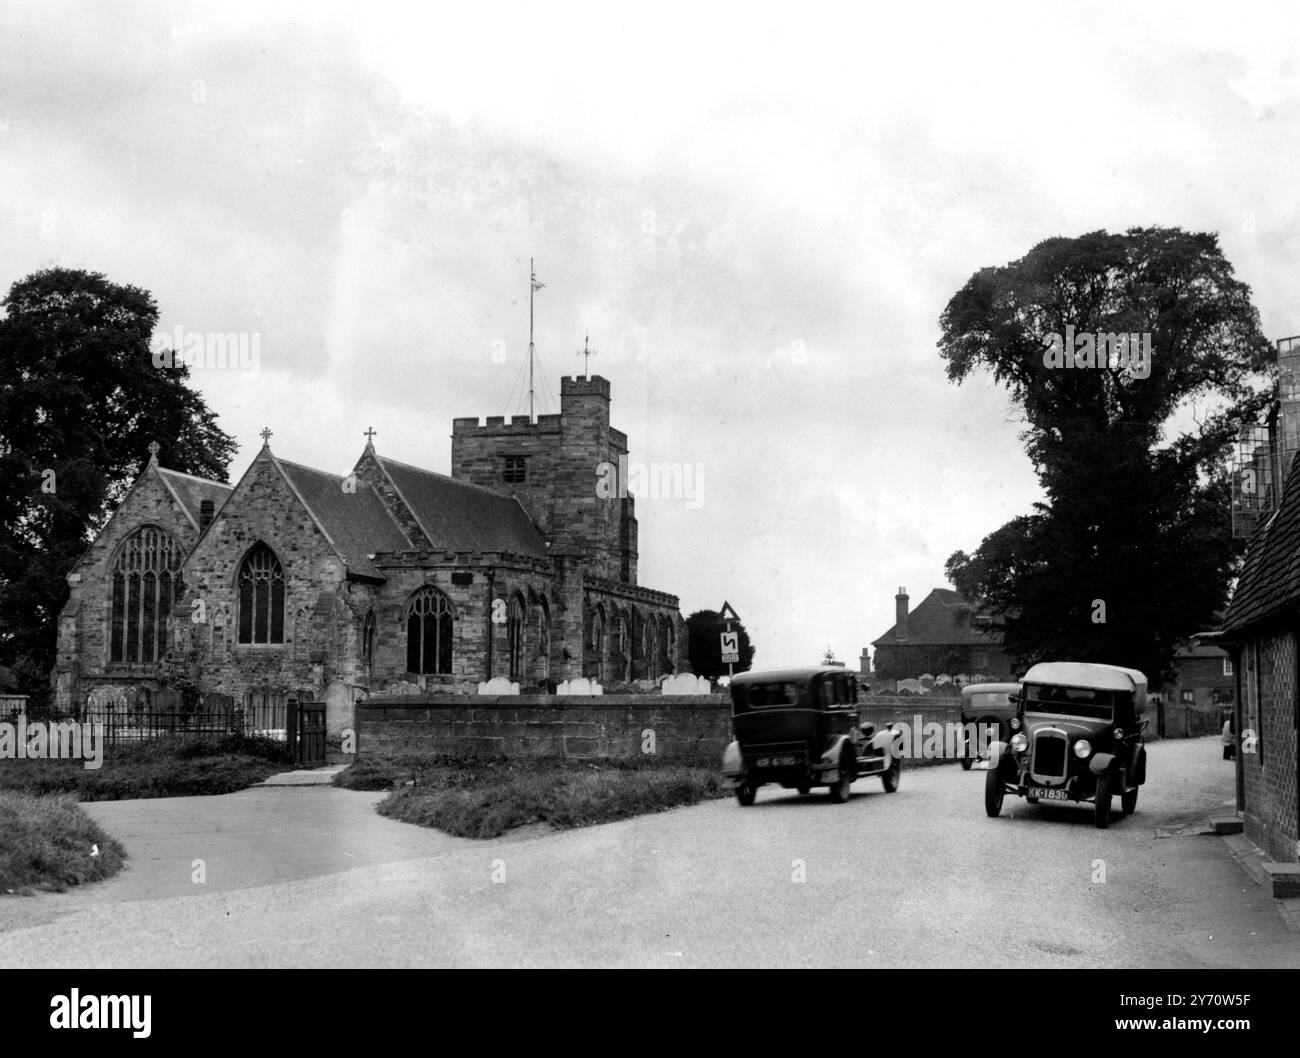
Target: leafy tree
(704, 629)
(80, 400)
(1131, 551)
(828, 658)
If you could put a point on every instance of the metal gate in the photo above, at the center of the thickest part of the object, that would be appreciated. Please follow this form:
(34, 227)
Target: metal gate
(305, 732)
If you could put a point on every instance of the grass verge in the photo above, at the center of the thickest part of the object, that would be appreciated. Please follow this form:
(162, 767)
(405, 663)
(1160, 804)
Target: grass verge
(176, 766)
(486, 797)
(50, 843)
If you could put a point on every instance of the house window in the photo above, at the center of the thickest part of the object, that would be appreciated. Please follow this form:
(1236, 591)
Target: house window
(261, 597)
(516, 470)
(428, 632)
(1227, 666)
(146, 582)
(1187, 697)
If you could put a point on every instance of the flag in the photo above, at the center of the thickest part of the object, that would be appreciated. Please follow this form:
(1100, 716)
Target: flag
(537, 285)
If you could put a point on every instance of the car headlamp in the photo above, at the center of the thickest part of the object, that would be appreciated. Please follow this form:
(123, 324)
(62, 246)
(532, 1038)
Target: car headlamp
(1118, 732)
(1082, 748)
(1019, 743)
(1015, 723)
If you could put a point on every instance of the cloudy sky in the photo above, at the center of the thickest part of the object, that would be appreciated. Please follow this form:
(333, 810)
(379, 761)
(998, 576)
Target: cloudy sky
(757, 211)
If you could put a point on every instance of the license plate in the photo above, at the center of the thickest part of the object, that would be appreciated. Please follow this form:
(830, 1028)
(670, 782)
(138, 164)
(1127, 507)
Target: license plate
(1050, 793)
(777, 762)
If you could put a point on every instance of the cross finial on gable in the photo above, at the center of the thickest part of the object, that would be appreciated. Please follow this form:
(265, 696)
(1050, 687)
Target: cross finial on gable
(154, 449)
(266, 436)
(370, 435)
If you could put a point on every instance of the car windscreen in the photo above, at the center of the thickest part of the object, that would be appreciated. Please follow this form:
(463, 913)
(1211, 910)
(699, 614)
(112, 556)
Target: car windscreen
(1069, 701)
(988, 700)
(769, 695)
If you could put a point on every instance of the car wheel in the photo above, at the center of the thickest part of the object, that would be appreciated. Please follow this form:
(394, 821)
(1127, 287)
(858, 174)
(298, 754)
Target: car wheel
(1128, 800)
(1103, 802)
(890, 778)
(745, 794)
(840, 787)
(994, 790)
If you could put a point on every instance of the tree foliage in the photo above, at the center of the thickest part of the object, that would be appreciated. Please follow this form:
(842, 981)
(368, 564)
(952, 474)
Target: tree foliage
(80, 400)
(704, 629)
(1131, 550)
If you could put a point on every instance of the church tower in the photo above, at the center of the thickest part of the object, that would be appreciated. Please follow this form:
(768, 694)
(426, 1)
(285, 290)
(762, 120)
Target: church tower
(567, 470)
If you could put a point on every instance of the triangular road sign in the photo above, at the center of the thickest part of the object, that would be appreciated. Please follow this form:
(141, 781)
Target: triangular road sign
(727, 613)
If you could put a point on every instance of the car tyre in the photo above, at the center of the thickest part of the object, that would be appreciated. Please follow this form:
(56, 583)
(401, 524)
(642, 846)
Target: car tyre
(745, 794)
(1128, 800)
(1102, 806)
(994, 791)
(890, 778)
(841, 786)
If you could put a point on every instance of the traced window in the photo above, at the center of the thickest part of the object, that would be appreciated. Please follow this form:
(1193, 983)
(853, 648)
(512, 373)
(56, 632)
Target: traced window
(515, 471)
(368, 639)
(261, 597)
(1227, 666)
(543, 639)
(428, 632)
(146, 582)
(515, 636)
(1187, 697)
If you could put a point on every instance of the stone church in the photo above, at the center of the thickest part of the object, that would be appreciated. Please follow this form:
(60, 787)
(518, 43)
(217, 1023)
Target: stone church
(298, 581)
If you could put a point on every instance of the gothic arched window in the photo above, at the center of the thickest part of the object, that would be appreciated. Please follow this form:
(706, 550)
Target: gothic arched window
(368, 639)
(515, 636)
(261, 597)
(650, 647)
(146, 582)
(543, 639)
(598, 641)
(428, 632)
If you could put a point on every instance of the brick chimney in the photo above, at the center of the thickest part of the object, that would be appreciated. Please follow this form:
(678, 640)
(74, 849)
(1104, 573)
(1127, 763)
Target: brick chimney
(1288, 392)
(206, 510)
(900, 614)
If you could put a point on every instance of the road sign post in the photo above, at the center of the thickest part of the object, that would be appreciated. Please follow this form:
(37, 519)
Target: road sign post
(730, 639)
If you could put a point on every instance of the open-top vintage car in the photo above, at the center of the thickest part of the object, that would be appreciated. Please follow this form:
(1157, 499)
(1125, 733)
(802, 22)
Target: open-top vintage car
(799, 728)
(1079, 739)
(987, 703)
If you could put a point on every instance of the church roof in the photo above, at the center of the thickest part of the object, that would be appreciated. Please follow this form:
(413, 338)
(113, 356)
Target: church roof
(190, 492)
(356, 522)
(458, 516)
(942, 618)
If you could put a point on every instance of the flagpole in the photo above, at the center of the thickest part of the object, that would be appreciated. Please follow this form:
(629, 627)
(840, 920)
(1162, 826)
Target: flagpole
(532, 289)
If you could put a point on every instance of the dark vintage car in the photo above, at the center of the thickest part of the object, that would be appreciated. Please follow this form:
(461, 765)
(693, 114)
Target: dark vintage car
(987, 703)
(799, 728)
(1080, 739)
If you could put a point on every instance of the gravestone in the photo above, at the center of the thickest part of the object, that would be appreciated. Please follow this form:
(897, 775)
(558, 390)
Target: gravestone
(580, 685)
(498, 685)
(686, 683)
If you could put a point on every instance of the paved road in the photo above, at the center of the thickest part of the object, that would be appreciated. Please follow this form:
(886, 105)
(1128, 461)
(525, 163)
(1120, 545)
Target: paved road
(917, 878)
